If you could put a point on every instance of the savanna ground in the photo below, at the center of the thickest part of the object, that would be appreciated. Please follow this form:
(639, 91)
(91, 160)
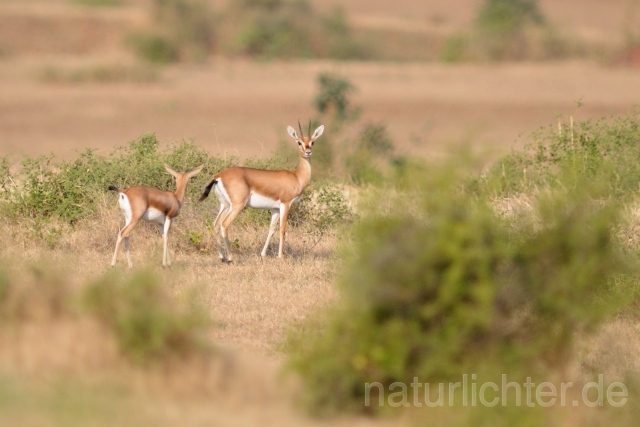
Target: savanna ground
(61, 371)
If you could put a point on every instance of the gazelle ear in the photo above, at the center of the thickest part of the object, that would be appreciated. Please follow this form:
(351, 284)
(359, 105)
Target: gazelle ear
(317, 132)
(171, 170)
(195, 171)
(292, 133)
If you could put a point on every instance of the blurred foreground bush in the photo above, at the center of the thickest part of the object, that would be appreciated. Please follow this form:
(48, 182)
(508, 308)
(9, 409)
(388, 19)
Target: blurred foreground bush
(438, 286)
(149, 322)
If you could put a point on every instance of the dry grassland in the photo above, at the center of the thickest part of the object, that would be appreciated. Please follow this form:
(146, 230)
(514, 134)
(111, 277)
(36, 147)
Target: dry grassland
(62, 370)
(67, 370)
(253, 305)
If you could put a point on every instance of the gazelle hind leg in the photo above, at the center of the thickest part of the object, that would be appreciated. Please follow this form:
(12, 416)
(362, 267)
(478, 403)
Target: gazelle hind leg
(115, 253)
(123, 234)
(275, 215)
(226, 223)
(123, 237)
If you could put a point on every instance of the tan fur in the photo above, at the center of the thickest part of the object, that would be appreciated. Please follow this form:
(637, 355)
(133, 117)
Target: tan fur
(142, 199)
(282, 186)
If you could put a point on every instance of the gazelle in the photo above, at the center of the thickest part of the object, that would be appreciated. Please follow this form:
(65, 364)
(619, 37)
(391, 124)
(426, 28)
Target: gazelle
(149, 203)
(277, 190)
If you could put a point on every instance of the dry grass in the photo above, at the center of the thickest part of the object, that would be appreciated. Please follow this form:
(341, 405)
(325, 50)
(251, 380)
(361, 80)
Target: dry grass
(253, 304)
(55, 363)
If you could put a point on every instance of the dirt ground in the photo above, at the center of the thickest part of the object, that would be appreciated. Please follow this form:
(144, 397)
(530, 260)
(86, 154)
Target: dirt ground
(239, 107)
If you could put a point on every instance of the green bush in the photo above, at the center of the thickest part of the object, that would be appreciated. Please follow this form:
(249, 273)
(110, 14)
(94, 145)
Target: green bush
(70, 189)
(333, 97)
(288, 29)
(507, 17)
(507, 30)
(149, 323)
(439, 286)
(603, 150)
(369, 156)
(323, 207)
(155, 48)
(182, 30)
(35, 292)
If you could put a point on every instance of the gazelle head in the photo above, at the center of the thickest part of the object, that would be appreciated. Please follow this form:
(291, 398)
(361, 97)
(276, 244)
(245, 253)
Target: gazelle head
(305, 143)
(182, 178)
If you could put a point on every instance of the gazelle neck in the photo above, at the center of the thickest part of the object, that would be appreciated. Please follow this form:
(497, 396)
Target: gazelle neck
(304, 170)
(181, 189)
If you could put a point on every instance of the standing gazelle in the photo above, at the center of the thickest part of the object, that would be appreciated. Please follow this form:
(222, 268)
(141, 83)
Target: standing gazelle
(277, 190)
(149, 203)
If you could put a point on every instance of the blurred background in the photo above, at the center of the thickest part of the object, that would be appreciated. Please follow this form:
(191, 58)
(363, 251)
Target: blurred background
(233, 74)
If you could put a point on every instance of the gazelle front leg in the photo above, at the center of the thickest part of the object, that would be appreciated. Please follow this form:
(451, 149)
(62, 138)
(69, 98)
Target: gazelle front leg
(284, 214)
(127, 251)
(275, 215)
(166, 261)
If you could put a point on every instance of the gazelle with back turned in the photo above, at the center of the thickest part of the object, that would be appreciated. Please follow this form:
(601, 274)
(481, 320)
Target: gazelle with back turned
(238, 187)
(154, 205)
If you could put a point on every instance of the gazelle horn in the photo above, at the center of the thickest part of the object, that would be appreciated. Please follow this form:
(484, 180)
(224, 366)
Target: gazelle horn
(300, 127)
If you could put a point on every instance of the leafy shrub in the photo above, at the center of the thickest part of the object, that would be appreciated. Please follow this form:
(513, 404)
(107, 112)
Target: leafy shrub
(35, 292)
(323, 207)
(287, 29)
(70, 189)
(370, 154)
(272, 37)
(182, 30)
(149, 323)
(506, 17)
(603, 150)
(333, 96)
(439, 286)
(507, 30)
(335, 109)
(155, 48)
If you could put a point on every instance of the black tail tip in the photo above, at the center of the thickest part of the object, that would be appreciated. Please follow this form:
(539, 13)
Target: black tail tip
(113, 188)
(207, 190)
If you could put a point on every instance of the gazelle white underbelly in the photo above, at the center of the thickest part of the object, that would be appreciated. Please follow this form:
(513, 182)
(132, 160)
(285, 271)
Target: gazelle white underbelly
(256, 201)
(154, 215)
(259, 201)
